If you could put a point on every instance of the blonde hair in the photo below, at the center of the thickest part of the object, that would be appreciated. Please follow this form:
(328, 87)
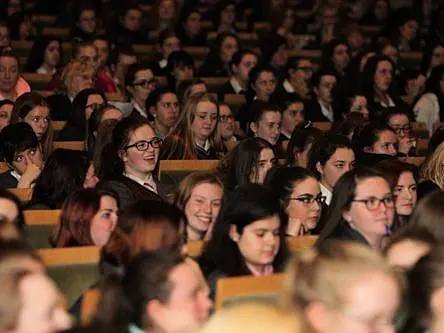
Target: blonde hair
(323, 275)
(254, 318)
(73, 69)
(432, 168)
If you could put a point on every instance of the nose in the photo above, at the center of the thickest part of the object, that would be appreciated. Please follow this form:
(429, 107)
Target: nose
(392, 151)
(207, 208)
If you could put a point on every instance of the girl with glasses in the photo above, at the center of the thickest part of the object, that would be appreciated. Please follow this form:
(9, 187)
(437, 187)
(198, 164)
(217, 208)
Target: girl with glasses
(129, 162)
(300, 196)
(361, 210)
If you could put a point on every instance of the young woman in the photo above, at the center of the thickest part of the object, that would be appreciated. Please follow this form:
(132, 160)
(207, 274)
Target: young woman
(377, 85)
(403, 178)
(195, 134)
(329, 158)
(422, 303)
(224, 17)
(405, 36)
(83, 106)
(189, 27)
(266, 122)
(11, 210)
(130, 160)
(431, 172)
(88, 218)
(33, 109)
(180, 68)
(374, 142)
(432, 56)
(400, 121)
(167, 43)
(65, 171)
(248, 237)
(361, 210)
(20, 149)
(300, 195)
(200, 196)
(300, 144)
(292, 116)
(247, 163)
(85, 22)
(46, 56)
(343, 287)
(218, 60)
(6, 107)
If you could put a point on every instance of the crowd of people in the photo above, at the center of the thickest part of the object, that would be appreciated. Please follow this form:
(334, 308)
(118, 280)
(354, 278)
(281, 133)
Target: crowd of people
(326, 147)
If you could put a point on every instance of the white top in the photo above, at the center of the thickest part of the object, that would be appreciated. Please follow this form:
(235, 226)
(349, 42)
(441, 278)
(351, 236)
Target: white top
(327, 112)
(327, 194)
(427, 110)
(288, 86)
(236, 86)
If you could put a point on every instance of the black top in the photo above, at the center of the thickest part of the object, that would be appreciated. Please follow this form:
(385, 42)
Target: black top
(167, 152)
(425, 187)
(345, 233)
(7, 180)
(185, 40)
(70, 133)
(225, 89)
(213, 66)
(313, 112)
(60, 107)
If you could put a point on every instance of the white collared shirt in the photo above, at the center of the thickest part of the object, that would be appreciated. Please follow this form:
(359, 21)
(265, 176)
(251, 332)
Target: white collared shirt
(236, 85)
(206, 147)
(139, 109)
(326, 112)
(16, 175)
(148, 182)
(288, 87)
(326, 193)
(390, 102)
(163, 63)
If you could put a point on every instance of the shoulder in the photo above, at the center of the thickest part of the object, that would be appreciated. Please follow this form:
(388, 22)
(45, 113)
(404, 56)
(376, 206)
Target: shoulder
(7, 180)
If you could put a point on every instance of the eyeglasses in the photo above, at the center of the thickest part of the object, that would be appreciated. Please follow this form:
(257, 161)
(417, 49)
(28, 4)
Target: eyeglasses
(146, 83)
(309, 199)
(226, 118)
(403, 129)
(374, 203)
(305, 69)
(143, 145)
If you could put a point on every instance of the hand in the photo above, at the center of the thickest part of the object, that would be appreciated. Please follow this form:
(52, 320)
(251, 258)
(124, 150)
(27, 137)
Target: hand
(405, 144)
(31, 173)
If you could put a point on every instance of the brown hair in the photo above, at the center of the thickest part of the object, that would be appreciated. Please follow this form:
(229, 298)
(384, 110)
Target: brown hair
(145, 226)
(432, 167)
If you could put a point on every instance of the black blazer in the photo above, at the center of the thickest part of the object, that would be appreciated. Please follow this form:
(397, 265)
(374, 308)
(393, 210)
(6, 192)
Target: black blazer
(7, 180)
(313, 112)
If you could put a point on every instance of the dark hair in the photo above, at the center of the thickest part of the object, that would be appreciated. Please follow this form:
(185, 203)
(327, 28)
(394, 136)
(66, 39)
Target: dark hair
(104, 136)
(368, 76)
(185, 87)
(301, 137)
(282, 180)
(78, 210)
(368, 135)
(125, 49)
(11, 249)
(245, 205)
(16, 138)
(316, 78)
(436, 139)
(327, 54)
(132, 71)
(323, 149)
(14, 23)
(432, 84)
(165, 34)
(64, 172)
(344, 193)
(145, 226)
(424, 279)
(260, 108)
(19, 222)
(393, 111)
(37, 53)
(111, 164)
(77, 118)
(177, 59)
(6, 102)
(393, 169)
(155, 96)
(238, 56)
(415, 233)
(241, 163)
(146, 278)
(219, 8)
(25, 103)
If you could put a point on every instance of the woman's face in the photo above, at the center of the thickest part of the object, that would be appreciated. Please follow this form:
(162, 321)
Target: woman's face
(140, 163)
(81, 81)
(340, 57)
(169, 45)
(406, 195)
(268, 126)
(203, 206)
(383, 76)
(371, 222)
(228, 15)
(381, 10)
(38, 119)
(166, 10)
(387, 143)
(265, 85)
(437, 57)
(409, 30)
(52, 54)
(104, 221)
(266, 161)
(9, 73)
(41, 306)
(292, 116)
(259, 241)
(5, 115)
(369, 305)
(144, 83)
(87, 21)
(301, 211)
(192, 24)
(205, 120)
(340, 162)
(228, 48)
(25, 158)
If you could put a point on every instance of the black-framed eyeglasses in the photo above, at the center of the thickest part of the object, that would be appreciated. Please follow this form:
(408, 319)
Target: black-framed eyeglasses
(309, 199)
(401, 129)
(146, 83)
(226, 118)
(374, 203)
(143, 145)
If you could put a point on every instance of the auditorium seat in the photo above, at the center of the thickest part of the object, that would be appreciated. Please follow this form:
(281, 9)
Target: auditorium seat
(40, 225)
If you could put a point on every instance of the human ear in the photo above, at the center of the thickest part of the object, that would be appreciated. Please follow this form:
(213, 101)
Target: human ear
(123, 155)
(253, 127)
(319, 168)
(234, 235)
